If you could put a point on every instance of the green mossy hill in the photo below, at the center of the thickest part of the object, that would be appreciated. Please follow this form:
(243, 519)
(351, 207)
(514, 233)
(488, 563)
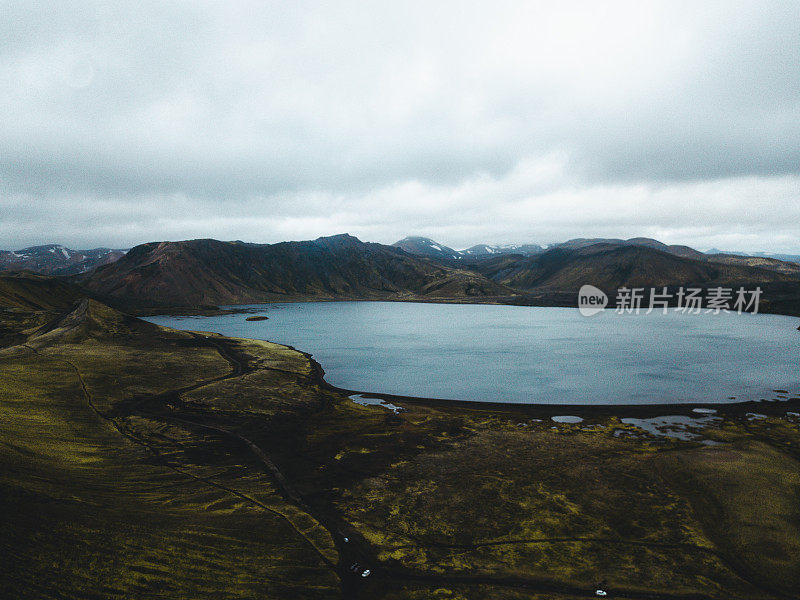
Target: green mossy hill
(102, 499)
(90, 320)
(31, 292)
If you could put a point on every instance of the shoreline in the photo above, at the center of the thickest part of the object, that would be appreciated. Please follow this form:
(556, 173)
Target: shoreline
(554, 300)
(737, 408)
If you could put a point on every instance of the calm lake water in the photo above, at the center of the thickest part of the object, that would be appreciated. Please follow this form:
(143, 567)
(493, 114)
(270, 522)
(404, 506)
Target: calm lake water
(530, 354)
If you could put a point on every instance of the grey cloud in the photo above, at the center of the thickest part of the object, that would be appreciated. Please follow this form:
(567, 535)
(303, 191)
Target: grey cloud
(273, 109)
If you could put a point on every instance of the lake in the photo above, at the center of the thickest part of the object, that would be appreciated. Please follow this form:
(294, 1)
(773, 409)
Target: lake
(530, 354)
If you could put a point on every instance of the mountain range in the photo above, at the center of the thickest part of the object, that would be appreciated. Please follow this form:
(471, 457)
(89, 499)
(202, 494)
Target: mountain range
(611, 266)
(197, 272)
(422, 246)
(54, 259)
(206, 272)
(487, 250)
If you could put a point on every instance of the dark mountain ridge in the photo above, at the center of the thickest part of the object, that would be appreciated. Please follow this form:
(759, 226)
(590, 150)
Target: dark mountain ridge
(480, 252)
(610, 266)
(212, 272)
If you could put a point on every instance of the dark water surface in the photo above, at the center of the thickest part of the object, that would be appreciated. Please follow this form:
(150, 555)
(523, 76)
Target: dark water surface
(530, 354)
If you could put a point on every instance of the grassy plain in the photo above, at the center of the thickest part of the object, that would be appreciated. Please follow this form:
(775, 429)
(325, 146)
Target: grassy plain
(142, 462)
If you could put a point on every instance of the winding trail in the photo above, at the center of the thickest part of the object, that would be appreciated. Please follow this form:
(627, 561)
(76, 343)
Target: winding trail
(171, 464)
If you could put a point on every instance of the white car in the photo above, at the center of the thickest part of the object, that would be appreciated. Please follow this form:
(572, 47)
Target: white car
(600, 593)
(359, 570)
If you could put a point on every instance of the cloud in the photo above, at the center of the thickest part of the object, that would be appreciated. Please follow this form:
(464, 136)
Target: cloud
(478, 121)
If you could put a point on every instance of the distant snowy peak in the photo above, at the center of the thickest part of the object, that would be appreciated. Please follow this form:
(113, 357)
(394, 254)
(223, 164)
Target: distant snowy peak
(487, 250)
(480, 250)
(422, 246)
(55, 259)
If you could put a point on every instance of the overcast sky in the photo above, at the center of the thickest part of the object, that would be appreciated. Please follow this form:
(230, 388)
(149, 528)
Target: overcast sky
(466, 122)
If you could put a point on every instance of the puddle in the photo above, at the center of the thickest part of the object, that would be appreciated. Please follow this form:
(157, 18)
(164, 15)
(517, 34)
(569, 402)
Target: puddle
(596, 427)
(370, 401)
(624, 433)
(678, 427)
(567, 419)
